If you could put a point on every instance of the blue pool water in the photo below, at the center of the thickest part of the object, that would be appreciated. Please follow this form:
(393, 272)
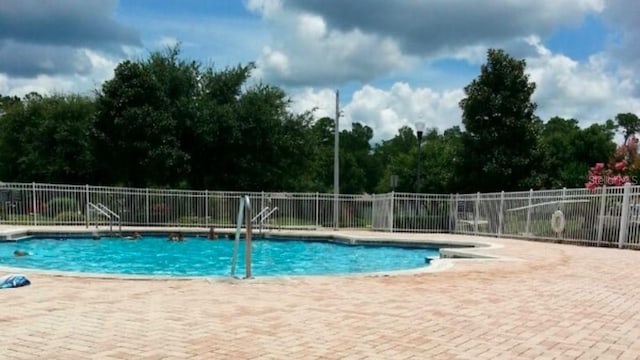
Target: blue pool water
(201, 257)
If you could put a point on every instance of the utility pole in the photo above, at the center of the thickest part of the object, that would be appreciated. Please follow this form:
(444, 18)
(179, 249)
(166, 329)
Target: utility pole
(336, 164)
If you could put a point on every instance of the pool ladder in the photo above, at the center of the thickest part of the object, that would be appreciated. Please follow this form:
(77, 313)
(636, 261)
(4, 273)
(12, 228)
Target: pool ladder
(244, 214)
(263, 215)
(106, 212)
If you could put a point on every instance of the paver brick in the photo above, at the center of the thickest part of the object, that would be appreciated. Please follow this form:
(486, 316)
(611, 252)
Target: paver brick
(552, 302)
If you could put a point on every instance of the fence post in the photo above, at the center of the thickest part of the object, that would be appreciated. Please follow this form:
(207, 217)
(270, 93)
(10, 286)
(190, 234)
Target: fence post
(336, 211)
(451, 213)
(603, 202)
(455, 214)
(624, 216)
(528, 224)
(147, 206)
(391, 212)
(86, 205)
(476, 215)
(317, 210)
(34, 204)
(373, 211)
(501, 214)
(206, 208)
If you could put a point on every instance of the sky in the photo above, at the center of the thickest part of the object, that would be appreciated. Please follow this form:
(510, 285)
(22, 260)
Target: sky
(395, 63)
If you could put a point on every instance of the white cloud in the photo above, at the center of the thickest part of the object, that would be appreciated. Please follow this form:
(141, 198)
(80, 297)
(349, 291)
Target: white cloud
(45, 38)
(386, 110)
(100, 69)
(167, 41)
(276, 61)
(331, 42)
(265, 7)
(624, 15)
(590, 92)
(306, 51)
(424, 27)
(401, 105)
(322, 102)
(4, 84)
(330, 58)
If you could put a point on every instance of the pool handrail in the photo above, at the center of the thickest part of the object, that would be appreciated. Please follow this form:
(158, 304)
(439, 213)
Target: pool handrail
(105, 208)
(244, 213)
(263, 217)
(264, 210)
(104, 211)
(236, 242)
(99, 210)
(247, 241)
(269, 214)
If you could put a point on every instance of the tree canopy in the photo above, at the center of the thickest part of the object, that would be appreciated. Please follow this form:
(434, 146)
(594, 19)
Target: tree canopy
(163, 121)
(47, 139)
(501, 130)
(168, 122)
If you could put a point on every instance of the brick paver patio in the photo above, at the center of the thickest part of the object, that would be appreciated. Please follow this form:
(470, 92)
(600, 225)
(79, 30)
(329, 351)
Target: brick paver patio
(555, 302)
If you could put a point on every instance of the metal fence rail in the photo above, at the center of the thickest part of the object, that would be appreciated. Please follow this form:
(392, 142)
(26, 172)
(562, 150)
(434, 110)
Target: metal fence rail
(604, 217)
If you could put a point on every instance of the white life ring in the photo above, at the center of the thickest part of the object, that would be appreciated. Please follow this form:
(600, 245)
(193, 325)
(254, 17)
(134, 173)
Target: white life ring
(557, 222)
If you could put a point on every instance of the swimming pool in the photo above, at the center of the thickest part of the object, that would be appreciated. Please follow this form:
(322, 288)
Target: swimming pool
(197, 256)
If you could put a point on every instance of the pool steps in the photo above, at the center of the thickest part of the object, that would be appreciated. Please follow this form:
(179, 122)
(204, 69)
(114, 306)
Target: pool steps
(13, 234)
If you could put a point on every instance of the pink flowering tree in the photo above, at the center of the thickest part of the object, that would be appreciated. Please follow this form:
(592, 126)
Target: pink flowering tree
(623, 167)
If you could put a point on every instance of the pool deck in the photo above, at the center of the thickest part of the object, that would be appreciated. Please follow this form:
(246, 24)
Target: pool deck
(537, 301)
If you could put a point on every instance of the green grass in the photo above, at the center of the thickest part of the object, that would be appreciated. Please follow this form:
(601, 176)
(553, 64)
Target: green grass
(21, 219)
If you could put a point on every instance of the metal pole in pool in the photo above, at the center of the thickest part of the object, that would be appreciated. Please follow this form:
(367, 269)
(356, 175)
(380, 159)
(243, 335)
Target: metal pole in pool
(247, 242)
(236, 242)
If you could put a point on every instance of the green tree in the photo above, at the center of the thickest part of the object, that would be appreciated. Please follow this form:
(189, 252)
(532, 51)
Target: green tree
(441, 154)
(47, 139)
(216, 129)
(398, 157)
(569, 150)
(500, 138)
(6, 102)
(629, 123)
(166, 121)
(322, 137)
(357, 171)
(143, 117)
(597, 142)
(273, 145)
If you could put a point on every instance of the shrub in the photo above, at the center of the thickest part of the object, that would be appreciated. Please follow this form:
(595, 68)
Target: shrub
(191, 220)
(20, 219)
(59, 205)
(69, 216)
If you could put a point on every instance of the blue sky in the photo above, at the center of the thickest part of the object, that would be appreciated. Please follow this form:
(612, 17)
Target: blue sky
(394, 62)
(579, 42)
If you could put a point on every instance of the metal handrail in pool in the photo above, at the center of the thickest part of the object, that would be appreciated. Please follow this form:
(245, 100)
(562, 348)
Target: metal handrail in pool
(263, 217)
(264, 210)
(244, 212)
(106, 212)
(105, 208)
